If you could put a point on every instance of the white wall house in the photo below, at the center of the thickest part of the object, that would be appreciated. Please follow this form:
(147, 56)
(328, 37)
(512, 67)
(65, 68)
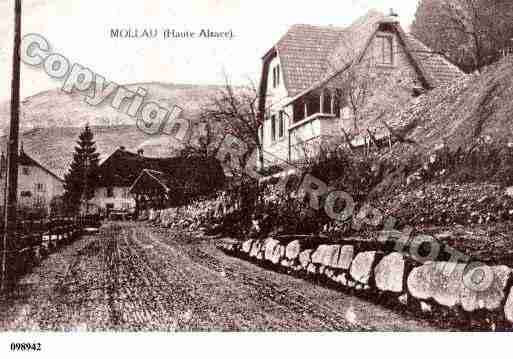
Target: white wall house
(303, 87)
(113, 198)
(116, 175)
(37, 185)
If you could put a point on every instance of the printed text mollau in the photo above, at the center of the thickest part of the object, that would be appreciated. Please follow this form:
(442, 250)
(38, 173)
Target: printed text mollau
(168, 33)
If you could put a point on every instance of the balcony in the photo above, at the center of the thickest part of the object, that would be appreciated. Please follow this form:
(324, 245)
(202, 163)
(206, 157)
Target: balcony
(306, 135)
(315, 118)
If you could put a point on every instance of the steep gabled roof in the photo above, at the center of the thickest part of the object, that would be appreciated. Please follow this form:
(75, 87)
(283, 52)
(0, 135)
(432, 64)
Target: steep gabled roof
(122, 167)
(303, 51)
(26, 160)
(353, 42)
(149, 179)
(438, 69)
(182, 177)
(311, 55)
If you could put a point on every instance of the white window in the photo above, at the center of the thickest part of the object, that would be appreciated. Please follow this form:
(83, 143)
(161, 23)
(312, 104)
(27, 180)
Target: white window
(25, 170)
(273, 128)
(40, 187)
(276, 76)
(281, 125)
(385, 50)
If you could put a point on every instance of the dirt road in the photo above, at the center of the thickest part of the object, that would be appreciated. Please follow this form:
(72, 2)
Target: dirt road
(132, 276)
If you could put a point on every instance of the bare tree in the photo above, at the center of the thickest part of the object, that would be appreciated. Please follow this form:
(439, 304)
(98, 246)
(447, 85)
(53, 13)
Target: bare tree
(357, 87)
(236, 109)
(471, 33)
(204, 140)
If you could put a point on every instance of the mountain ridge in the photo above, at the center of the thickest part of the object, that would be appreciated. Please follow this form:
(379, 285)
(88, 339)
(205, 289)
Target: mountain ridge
(51, 121)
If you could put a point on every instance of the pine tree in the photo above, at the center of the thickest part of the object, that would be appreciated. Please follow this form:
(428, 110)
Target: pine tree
(82, 176)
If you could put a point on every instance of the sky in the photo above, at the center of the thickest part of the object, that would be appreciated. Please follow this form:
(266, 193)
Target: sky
(80, 30)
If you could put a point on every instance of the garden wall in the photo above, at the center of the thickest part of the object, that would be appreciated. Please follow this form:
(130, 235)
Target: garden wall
(389, 277)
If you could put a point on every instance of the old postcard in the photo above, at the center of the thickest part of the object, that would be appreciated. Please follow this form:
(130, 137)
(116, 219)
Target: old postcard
(239, 166)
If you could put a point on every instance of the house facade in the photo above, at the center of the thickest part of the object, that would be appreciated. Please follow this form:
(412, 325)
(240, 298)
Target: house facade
(108, 198)
(130, 180)
(321, 84)
(116, 174)
(37, 185)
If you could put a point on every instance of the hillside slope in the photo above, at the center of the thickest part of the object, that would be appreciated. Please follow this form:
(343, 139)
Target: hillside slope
(56, 108)
(475, 107)
(463, 196)
(51, 122)
(53, 147)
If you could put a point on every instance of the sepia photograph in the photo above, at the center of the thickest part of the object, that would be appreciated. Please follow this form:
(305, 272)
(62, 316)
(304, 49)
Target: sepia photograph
(244, 167)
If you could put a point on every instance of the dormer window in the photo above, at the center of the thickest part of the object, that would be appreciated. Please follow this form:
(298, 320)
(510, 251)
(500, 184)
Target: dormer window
(385, 50)
(276, 76)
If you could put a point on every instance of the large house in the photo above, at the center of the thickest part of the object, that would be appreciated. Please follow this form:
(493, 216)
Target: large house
(116, 174)
(130, 180)
(305, 87)
(37, 185)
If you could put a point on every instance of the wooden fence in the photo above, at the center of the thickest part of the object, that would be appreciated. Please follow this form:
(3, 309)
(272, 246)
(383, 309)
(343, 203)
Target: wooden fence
(37, 239)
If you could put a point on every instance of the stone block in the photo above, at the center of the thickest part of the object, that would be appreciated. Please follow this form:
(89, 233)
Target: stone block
(361, 267)
(305, 258)
(293, 249)
(389, 273)
(277, 254)
(255, 248)
(345, 257)
(451, 284)
(318, 256)
(269, 245)
(312, 268)
(246, 246)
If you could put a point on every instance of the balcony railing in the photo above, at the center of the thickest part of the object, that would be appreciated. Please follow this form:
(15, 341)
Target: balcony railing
(306, 133)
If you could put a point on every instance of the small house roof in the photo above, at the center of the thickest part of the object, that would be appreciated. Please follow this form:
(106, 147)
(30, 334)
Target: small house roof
(122, 167)
(181, 176)
(310, 55)
(25, 160)
(150, 179)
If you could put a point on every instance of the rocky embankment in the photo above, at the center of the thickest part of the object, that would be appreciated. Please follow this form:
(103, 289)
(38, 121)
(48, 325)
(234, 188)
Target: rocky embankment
(468, 295)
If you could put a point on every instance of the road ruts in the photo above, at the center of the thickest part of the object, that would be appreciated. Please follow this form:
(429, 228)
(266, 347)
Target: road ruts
(248, 297)
(133, 277)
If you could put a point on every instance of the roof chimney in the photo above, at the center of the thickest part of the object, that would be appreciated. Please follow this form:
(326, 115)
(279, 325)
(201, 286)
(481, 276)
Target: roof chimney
(391, 18)
(122, 148)
(140, 152)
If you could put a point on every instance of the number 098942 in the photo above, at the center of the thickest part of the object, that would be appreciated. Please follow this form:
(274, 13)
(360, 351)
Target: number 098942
(26, 347)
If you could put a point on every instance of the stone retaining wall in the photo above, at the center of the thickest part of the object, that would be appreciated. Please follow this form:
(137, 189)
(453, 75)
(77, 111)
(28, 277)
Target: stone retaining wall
(391, 277)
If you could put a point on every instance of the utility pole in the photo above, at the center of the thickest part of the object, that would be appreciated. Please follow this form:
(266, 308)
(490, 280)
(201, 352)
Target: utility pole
(12, 154)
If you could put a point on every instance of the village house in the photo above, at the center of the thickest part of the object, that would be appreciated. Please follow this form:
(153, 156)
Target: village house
(308, 76)
(128, 181)
(116, 174)
(170, 182)
(37, 185)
